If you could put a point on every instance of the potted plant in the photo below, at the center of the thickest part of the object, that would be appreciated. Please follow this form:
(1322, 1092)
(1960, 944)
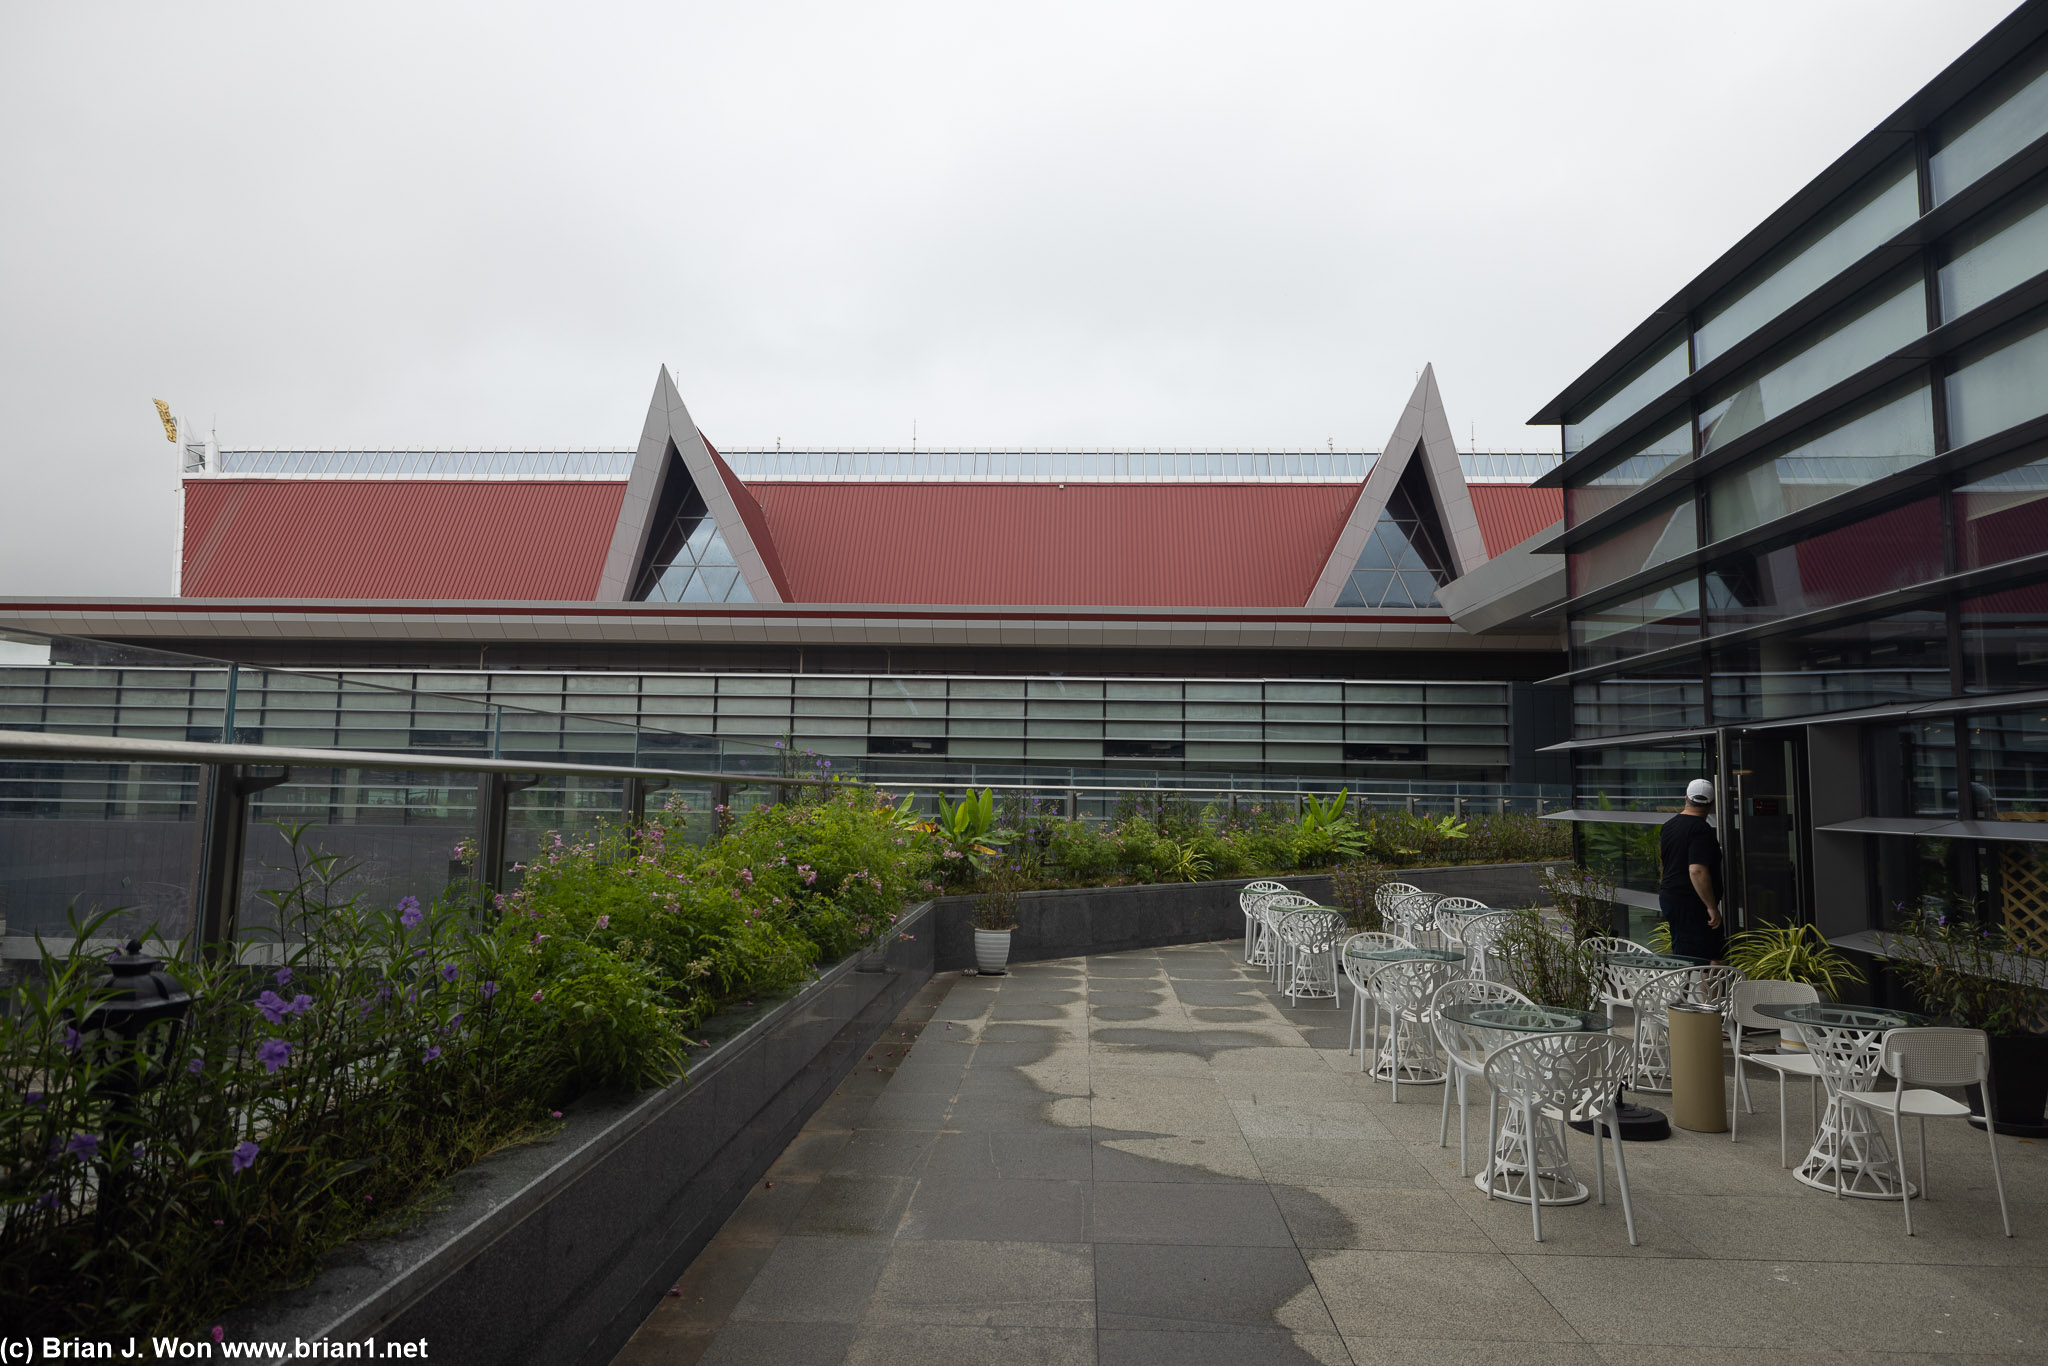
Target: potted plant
(995, 918)
(1792, 953)
(1968, 972)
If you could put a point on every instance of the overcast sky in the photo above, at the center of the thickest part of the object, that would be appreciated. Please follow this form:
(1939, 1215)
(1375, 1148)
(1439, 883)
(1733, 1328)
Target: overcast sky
(1035, 224)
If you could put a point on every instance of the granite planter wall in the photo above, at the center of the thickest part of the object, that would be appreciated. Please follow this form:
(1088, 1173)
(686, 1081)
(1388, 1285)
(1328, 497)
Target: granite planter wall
(555, 1252)
(1079, 920)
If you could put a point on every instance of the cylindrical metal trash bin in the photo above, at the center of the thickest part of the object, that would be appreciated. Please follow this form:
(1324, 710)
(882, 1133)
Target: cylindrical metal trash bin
(1698, 1100)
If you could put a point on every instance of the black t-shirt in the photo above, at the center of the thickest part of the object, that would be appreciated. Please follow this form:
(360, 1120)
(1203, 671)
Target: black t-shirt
(1687, 840)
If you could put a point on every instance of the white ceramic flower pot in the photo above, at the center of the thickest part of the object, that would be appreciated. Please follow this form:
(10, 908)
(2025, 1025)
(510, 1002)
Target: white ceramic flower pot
(992, 950)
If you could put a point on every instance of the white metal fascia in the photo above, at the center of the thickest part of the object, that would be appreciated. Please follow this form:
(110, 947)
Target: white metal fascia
(669, 426)
(1423, 432)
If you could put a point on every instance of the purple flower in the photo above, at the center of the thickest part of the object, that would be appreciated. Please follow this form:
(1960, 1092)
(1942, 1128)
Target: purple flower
(274, 1054)
(47, 1200)
(487, 990)
(284, 976)
(538, 995)
(84, 1147)
(604, 922)
(450, 972)
(33, 1098)
(409, 913)
(277, 1010)
(431, 1054)
(243, 1157)
(196, 1066)
(71, 1038)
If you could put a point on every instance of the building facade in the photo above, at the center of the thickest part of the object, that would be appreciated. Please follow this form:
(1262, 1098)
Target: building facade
(1806, 530)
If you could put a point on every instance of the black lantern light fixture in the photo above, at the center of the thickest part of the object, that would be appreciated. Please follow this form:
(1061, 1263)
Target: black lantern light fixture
(136, 996)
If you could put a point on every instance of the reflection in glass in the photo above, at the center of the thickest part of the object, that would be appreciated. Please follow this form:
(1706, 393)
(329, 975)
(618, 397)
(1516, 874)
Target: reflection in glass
(2003, 516)
(1899, 658)
(1662, 366)
(2009, 762)
(2004, 119)
(1999, 387)
(1892, 436)
(1659, 535)
(1651, 620)
(1404, 560)
(2006, 249)
(2005, 640)
(1894, 549)
(1845, 232)
(690, 561)
(1860, 335)
(1590, 495)
(1669, 696)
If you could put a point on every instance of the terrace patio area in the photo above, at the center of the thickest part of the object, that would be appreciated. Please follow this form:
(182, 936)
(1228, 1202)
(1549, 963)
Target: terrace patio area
(1151, 1157)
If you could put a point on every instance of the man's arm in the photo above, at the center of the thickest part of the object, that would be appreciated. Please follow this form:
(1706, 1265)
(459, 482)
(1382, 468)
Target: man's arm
(1703, 883)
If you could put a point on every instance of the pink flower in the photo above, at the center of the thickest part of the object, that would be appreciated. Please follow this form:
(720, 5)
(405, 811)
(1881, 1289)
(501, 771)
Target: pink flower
(604, 922)
(538, 995)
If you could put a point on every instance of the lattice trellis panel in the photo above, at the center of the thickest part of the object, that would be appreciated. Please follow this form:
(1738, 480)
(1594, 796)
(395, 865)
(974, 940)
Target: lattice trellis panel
(2023, 873)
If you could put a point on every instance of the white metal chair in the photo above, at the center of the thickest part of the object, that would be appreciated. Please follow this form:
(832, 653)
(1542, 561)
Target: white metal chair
(1407, 987)
(1465, 1048)
(1414, 916)
(1248, 901)
(1482, 935)
(1451, 914)
(1387, 893)
(1570, 1076)
(1311, 938)
(1361, 974)
(1743, 1000)
(1614, 988)
(1272, 910)
(1707, 986)
(1932, 1056)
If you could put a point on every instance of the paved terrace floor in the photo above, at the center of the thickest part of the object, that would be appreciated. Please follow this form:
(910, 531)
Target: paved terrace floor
(1148, 1157)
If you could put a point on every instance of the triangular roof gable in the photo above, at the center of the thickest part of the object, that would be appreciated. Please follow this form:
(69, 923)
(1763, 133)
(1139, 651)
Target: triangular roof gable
(1423, 435)
(669, 428)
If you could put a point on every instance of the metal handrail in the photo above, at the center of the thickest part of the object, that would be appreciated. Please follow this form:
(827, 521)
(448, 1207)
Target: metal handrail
(30, 744)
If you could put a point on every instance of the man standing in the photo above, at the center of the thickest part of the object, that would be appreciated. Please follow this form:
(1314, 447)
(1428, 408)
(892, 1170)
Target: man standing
(1690, 889)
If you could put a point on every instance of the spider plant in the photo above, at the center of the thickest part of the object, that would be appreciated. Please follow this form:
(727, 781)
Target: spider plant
(1792, 953)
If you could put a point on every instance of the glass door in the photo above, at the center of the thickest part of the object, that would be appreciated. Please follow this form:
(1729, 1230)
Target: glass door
(1767, 854)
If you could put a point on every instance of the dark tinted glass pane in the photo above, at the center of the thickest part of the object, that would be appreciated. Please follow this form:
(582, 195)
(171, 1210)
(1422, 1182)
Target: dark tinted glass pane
(2005, 640)
(1616, 479)
(1999, 385)
(1661, 616)
(2002, 517)
(1861, 664)
(1646, 541)
(2009, 760)
(1662, 366)
(2006, 248)
(1898, 432)
(1894, 549)
(1671, 697)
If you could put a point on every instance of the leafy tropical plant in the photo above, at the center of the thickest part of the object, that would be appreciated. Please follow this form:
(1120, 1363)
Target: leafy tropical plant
(1543, 961)
(1327, 833)
(1354, 890)
(1180, 862)
(1583, 897)
(967, 830)
(1791, 953)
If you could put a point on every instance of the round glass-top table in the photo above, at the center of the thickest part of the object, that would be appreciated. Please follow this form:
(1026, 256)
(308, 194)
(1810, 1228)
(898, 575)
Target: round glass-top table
(1849, 1152)
(1405, 953)
(1408, 1053)
(1507, 1173)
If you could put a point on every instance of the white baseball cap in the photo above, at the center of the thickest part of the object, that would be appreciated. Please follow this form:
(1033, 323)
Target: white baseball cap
(1700, 792)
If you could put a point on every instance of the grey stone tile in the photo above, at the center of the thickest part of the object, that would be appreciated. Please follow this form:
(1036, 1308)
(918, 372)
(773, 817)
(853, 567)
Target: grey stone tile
(915, 1110)
(768, 1210)
(810, 1153)
(1380, 1219)
(1122, 1156)
(883, 1152)
(1205, 1289)
(1343, 1119)
(1374, 1350)
(779, 1344)
(1213, 1213)
(815, 1280)
(1220, 1347)
(929, 1345)
(922, 1078)
(1456, 1295)
(997, 1154)
(987, 1285)
(1001, 1112)
(998, 1211)
(854, 1207)
(1341, 1162)
(714, 1283)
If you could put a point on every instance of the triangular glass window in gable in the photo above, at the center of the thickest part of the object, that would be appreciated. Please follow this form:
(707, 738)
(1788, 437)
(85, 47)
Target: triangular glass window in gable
(688, 559)
(1405, 559)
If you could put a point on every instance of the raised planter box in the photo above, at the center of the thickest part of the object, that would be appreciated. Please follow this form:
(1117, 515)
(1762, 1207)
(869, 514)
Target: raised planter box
(555, 1252)
(1079, 920)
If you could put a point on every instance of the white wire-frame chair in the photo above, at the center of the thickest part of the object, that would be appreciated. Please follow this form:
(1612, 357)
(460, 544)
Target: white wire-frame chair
(1481, 936)
(1361, 972)
(1615, 988)
(1932, 1056)
(1451, 914)
(1311, 938)
(1272, 910)
(1248, 901)
(1465, 1048)
(1387, 893)
(1414, 917)
(1743, 1000)
(1407, 987)
(1546, 1078)
(1707, 986)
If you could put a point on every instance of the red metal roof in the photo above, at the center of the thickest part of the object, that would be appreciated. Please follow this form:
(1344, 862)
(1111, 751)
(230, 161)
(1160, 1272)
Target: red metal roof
(1510, 514)
(471, 539)
(1128, 545)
